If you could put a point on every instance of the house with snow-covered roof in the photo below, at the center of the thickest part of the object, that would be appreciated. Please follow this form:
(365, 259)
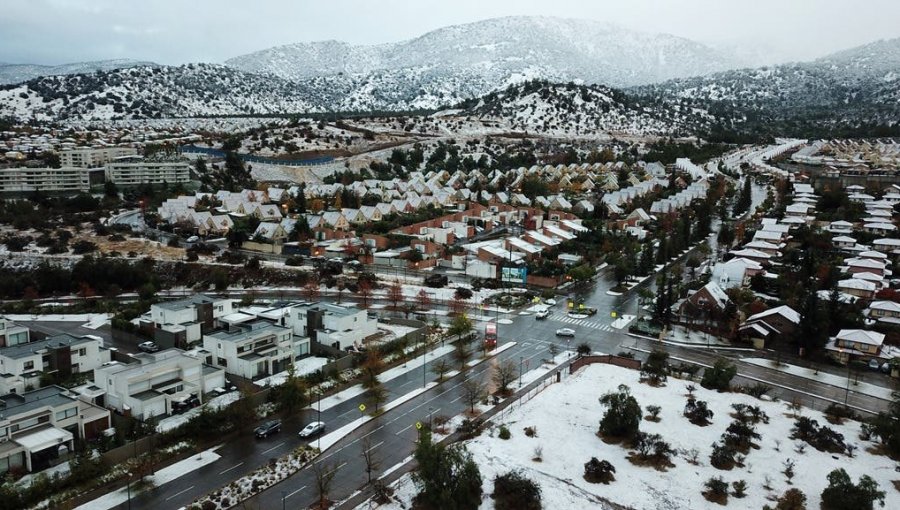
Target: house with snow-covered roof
(775, 324)
(855, 344)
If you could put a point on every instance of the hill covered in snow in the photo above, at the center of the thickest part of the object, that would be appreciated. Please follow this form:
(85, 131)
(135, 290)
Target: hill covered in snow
(18, 73)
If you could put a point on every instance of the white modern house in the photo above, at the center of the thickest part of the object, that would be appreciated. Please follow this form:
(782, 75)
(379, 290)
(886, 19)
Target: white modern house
(336, 326)
(182, 322)
(149, 386)
(23, 365)
(254, 349)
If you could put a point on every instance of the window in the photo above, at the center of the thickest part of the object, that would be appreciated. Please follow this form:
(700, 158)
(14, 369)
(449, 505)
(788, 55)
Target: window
(66, 413)
(222, 362)
(29, 365)
(82, 352)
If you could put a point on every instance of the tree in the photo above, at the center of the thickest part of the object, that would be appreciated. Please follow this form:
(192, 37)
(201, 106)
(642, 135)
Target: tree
(842, 494)
(716, 489)
(504, 375)
(324, 476)
(583, 349)
(460, 326)
(311, 289)
(395, 295)
(656, 368)
(368, 455)
(473, 391)
(364, 291)
(622, 418)
(792, 499)
(697, 412)
(462, 353)
(371, 368)
(886, 426)
(293, 394)
(242, 412)
(423, 300)
(719, 376)
(599, 471)
(447, 477)
(440, 368)
(513, 491)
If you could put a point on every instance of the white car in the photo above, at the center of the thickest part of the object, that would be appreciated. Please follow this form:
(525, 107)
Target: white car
(550, 302)
(148, 346)
(543, 314)
(193, 239)
(565, 332)
(316, 427)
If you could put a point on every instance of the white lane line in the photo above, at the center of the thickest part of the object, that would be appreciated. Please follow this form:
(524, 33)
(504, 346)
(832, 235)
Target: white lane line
(295, 492)
(182, 492)
(375, 446)
(232, 467)
(373, 431)
(279, 445)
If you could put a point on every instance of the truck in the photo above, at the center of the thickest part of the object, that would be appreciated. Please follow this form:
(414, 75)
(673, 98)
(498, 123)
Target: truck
(490, 335)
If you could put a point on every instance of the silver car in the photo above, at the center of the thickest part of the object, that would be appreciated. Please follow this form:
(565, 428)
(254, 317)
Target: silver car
(316, 427)
(565, 332)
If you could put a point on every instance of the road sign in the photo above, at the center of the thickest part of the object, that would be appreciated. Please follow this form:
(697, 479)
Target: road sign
(418, 425)
(362, 408)
(612, 314)
(571, 304)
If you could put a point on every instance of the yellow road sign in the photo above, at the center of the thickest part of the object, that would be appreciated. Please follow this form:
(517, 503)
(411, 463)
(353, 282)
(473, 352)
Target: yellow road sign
(362, 408)
(612, 314)
(419, 425)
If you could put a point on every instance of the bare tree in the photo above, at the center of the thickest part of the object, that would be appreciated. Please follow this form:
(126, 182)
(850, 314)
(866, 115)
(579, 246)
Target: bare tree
(368, 455)
(440, 368)
(504, 375)
(395, 295)
(324, 475)
(311, 289)
(473, 391)
(364, 290)
(423, 300)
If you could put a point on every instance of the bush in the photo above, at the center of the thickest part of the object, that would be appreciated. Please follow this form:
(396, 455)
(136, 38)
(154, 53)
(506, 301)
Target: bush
(716, 490)
(758, 390)
(722, 456)
(696, 412)
(653, 413)
(651, 447)
(740, 435)
(583, 349)
(821, 438)
(740, 488)
(623, 415)
(512, 491)
(792, 499)
(599, 471)
(719, 376)
(842, 494)
(504, 432)
(294, 261)
(837, 413)
(750, 414)
(447, 476)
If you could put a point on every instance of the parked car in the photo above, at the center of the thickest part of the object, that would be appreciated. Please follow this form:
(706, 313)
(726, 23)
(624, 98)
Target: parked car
(193, 239)
(316, 427)
(565, 332)
(543, 314)
(886, 367)
(874, 364)
(267, 429)
(148, 346)
(187, 402)
(436, 280)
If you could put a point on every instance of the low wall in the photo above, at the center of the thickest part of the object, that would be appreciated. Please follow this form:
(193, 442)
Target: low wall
(608, 359)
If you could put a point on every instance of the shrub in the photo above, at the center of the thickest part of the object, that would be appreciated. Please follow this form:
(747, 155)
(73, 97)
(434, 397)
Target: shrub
(653, 413)
(722, 456)
(599, 471)
(842, 494)
(583, 349)
(740, 435)
(716, 490)
(651, 447)
(821, 438)
(719, 376)
(623, 415)
(740, 488)
(504, 432)
(447, 476)
(697, 412)
(751, 414)
(792, 499)
(758, 390)
(655, 370)
(512, 491)
(837, 413)
(531, 431)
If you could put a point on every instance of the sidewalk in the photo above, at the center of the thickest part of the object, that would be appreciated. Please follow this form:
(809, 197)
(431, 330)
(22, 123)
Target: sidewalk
(865, 388)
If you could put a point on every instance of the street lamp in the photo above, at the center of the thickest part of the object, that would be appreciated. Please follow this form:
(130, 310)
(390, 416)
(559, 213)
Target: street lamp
(430, 410)
(320, 392)
(129, 489)
(521, 359)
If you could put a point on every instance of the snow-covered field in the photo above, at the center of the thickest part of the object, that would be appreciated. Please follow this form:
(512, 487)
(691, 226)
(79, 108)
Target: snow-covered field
(567, 416)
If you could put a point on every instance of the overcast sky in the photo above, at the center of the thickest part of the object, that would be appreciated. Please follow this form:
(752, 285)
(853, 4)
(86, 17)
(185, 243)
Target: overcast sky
(179, 31)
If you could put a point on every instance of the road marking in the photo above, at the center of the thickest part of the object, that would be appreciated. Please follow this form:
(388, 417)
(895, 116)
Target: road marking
(376, 446)
(372, 432)
(182, 492)
(295, 492)
(455, 399)
(232, 467)
(279, 445)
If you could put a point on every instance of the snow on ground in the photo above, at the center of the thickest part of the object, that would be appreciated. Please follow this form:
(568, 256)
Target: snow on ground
(163, 476)
(301, 367)
(622, 321)
(177, 420)
(840, 381)
(567, 415)
(394, 331)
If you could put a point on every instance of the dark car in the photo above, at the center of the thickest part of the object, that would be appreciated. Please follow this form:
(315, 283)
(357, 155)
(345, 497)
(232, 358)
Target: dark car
(188, 402)
(436, 280)
(267, 428)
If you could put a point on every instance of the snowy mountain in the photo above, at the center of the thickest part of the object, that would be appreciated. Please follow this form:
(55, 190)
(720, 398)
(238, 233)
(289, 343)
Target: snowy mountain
(18, 73)
(147, 92)
(859, 86)
(578, 110)
(498, 51)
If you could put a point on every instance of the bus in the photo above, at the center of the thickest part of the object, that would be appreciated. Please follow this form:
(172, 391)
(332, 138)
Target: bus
(490, 335)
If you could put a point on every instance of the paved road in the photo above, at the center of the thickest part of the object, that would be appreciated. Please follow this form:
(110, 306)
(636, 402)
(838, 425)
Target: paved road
(245, 455)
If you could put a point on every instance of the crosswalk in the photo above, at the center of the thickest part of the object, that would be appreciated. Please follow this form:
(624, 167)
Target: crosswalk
(584, 323)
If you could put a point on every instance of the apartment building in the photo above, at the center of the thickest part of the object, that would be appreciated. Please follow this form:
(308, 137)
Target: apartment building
(65, 179)
(37, 427)
(255, 349)
(135, 170)
(23, 365)
(149, 386)
(91, 157)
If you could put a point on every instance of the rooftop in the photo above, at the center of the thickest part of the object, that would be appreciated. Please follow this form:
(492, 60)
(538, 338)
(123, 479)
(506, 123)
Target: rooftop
(53, 342)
